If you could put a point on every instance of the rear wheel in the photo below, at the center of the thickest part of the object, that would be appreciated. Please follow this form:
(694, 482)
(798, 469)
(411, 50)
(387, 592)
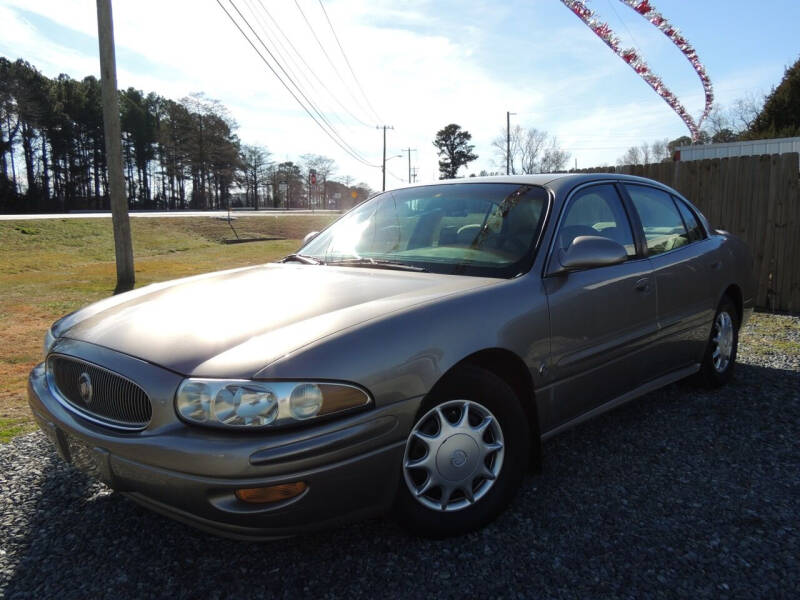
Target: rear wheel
(720, 358)
(465, 455)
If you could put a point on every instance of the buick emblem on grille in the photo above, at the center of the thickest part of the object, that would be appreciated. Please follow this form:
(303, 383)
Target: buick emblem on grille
(85, 387)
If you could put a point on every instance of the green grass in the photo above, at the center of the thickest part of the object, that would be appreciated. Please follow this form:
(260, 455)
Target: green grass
(767, 335)
(51, 267)
(10, 428)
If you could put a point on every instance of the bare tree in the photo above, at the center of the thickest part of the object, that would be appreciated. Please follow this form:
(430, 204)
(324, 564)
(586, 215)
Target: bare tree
(525, 147)
(645, 154)
(324, 167)
(554, 159)
(745, 110)
(718, 120)
(632, 156)
(531, 151)
(660, 150)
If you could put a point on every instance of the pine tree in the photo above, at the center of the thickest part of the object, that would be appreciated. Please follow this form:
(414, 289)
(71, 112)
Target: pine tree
(780, 116)
(455, 150)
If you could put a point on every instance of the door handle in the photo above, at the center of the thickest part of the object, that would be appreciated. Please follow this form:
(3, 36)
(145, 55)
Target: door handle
(643, 285)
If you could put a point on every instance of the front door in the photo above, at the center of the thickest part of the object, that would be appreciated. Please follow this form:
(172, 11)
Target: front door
(601, 319)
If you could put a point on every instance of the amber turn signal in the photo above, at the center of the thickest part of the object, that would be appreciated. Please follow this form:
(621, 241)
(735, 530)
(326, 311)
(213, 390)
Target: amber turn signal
(272, 493)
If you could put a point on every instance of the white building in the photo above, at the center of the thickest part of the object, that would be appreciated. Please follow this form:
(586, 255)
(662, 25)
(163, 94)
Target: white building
(748, 148)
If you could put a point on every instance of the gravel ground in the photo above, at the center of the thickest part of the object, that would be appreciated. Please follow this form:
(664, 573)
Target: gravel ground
(680, 493)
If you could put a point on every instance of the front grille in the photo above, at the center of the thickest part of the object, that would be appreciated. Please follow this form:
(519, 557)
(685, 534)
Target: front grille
(99, 393)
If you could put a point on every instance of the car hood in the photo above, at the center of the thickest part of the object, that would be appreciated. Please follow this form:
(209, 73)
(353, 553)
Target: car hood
(233, 323)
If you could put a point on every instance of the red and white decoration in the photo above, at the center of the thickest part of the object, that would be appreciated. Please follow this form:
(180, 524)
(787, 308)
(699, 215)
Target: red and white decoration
(637, 63)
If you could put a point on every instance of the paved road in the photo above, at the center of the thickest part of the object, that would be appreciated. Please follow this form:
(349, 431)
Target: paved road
(172, 213)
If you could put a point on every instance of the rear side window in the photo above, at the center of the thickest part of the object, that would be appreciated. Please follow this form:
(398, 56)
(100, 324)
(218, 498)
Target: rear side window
(662, 223)
(597, 211)
(695, 232)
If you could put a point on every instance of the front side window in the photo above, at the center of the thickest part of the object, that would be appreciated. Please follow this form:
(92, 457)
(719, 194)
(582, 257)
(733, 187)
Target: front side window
(662, 223)
(596, 211)
(482, 229)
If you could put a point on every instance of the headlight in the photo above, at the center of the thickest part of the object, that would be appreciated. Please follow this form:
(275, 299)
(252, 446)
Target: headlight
(247, 404)
(306, 401)
(49, 340)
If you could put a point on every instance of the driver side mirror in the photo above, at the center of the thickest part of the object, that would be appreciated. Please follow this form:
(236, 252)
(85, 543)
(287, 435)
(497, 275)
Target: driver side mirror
(310, 236)
(587, 252)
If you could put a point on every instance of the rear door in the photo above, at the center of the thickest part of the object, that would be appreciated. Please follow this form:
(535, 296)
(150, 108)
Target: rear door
(680, 254)
(601, 319)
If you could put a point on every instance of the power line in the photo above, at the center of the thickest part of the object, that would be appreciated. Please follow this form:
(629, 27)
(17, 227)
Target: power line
(346, 60)
(630, 33)
(325, 52)
(308, 67)
(281, 51)
(351, 150)
(400, 179)
(332, 134)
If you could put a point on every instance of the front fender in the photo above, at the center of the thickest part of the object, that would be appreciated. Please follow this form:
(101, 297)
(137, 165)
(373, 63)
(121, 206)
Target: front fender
(404, 354)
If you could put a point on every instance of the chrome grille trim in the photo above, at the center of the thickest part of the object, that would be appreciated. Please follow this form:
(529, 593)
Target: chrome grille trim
(117, 401)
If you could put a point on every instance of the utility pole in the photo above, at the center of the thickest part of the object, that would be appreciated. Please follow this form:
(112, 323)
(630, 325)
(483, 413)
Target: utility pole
(409, 150)
(383, 168)
(123, 247)
(508, 142)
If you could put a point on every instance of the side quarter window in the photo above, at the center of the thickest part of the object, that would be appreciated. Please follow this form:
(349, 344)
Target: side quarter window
(695, 231)
(597, 211)
(662, 223)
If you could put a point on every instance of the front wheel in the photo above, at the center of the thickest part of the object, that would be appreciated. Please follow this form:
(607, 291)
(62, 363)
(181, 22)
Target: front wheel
(465, 456)
(720, 358)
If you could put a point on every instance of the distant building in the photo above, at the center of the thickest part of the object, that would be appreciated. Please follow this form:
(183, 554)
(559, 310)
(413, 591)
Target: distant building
(747, 148)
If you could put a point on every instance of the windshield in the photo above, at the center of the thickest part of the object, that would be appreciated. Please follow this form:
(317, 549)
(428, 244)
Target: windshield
(481, 229)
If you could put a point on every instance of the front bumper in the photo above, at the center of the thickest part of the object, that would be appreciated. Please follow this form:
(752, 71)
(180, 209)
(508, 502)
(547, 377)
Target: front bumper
(351, 466)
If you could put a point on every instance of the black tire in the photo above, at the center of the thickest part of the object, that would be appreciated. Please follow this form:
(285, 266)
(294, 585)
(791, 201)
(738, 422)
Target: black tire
(482, 391)
(713, 373)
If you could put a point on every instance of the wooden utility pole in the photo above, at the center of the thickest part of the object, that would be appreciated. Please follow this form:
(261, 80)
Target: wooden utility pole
(383, 168)
(123, 247)
(409, 150)
(508, 142)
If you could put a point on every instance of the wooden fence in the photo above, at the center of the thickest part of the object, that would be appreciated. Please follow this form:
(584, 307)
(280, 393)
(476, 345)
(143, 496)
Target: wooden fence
(755, 197)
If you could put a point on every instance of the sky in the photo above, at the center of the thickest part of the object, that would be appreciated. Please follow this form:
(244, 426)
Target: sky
(421, 64)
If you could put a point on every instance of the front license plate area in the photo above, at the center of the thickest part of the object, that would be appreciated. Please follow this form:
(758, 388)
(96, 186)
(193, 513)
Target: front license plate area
(55, 435)
(91, 460)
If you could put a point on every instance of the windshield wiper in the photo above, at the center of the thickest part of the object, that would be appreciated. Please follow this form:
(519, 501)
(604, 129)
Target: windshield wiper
(302, 258)
(375, 264)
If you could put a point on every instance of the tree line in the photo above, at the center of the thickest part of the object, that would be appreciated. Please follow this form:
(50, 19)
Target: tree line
(176, 154)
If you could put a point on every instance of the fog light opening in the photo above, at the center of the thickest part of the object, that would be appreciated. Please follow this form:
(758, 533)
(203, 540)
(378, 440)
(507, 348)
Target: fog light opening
(272, 493)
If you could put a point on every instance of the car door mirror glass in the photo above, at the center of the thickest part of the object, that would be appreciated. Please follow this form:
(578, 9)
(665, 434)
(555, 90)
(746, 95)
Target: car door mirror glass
(590, 251)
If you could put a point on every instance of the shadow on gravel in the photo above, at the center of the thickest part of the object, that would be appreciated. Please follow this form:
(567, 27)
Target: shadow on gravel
(682, 492)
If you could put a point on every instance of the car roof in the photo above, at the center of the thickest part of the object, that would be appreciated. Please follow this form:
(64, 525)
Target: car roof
(554, 181)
